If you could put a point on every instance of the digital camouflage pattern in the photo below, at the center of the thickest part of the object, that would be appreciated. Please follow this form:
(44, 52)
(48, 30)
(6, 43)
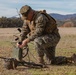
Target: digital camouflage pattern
(25, 9)
(37, 27)
(45, 42)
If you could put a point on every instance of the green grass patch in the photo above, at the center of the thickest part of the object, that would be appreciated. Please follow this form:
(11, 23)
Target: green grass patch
(5, 43)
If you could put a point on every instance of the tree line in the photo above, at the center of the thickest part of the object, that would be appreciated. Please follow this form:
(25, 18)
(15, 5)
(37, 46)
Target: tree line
(17, 22)
(71, 22)
(10, 22)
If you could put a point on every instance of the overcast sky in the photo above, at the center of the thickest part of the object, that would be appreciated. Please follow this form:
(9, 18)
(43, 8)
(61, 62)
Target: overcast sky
(8, 7)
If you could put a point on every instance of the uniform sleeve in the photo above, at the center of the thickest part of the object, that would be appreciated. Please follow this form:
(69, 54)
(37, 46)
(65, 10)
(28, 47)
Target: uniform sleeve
(25, 31)
(40, 26)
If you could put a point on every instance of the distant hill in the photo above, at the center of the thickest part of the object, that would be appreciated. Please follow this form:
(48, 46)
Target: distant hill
(62, 17)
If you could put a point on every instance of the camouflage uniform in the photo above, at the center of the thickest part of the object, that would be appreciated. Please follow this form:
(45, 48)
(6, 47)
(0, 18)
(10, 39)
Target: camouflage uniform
(44, 42)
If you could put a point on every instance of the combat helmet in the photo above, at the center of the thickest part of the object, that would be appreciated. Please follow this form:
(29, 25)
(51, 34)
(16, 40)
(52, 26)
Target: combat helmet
(25, 9)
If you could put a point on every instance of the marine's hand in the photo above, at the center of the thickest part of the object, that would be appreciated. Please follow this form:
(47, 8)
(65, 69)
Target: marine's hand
(24, 43)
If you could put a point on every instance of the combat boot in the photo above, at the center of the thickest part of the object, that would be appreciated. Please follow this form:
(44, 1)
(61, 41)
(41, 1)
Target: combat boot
(41, 60)
(74, 58)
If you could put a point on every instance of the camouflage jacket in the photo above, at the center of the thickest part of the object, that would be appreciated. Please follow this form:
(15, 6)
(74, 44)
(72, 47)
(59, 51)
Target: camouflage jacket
(37, 27)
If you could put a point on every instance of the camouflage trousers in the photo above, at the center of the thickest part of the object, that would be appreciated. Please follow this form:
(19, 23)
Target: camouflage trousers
(46, 44)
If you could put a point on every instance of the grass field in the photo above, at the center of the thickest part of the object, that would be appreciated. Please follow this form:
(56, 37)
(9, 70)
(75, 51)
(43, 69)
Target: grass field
(66, 47)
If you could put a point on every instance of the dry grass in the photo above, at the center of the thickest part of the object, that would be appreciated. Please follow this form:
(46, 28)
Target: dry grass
(66, 47)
